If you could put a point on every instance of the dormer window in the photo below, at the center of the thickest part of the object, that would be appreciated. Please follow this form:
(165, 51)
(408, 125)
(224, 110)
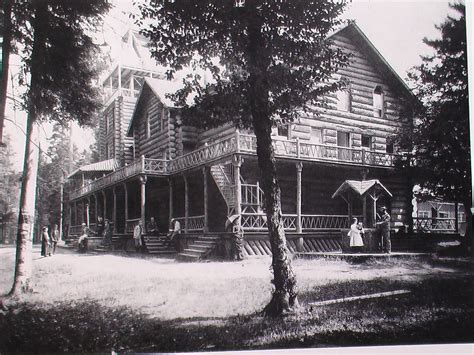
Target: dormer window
(378, 98)
(344, 96)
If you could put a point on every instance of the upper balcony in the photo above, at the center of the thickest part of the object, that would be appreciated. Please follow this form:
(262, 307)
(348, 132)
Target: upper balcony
(246, 144)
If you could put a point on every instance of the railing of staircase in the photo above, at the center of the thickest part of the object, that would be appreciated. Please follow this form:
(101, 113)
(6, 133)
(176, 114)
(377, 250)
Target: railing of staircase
(213, 151)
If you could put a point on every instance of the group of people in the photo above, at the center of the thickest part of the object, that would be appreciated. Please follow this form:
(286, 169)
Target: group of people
(102, 230)
(49, 241)
(152, 230)
(382, 227)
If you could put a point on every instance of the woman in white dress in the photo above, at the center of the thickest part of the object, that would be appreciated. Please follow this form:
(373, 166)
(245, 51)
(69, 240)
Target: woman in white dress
(355, 242)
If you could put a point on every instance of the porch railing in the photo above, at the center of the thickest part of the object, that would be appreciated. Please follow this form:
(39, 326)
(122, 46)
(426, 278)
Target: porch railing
(195, 223)
(258, 221)
(239, 143)
(438, 224)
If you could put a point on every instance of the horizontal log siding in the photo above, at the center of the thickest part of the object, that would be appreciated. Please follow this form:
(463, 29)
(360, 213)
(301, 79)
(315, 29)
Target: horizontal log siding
(157, 145)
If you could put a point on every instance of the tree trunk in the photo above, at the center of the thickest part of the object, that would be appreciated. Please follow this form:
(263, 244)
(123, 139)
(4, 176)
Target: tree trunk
(24, 241)
(26, 219)
(284, 296)
(6, 49)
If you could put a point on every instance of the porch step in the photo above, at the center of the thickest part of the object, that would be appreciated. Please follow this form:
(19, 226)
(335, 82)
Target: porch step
(198, 250)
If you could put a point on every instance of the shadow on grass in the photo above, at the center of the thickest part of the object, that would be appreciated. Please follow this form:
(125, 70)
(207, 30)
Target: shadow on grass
(430, 314)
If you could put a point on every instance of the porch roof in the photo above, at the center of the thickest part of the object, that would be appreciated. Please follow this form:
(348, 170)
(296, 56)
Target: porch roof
(104, 166)
(360, 187)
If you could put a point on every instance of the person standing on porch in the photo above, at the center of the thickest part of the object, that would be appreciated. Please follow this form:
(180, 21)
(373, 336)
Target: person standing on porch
(383, 226)
(107, 237)
(138, 236)
(355, 238)
(55, 238)
(173, 234)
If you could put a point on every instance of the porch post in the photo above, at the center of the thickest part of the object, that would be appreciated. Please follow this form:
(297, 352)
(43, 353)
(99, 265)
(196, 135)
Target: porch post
(97, 211)
(114, 210)
(374, 212)
(237, 163)
(456, 217)
(206, 216)
(88, 217)
(126, 205)
(143, 180)
(104, 209)
(186, 203)
(170, 183)
(299, 169)
(364, 212)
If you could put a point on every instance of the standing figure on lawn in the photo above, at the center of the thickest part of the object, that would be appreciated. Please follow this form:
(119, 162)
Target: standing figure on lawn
(55, 238)
(237, 247)
(173, 234)
(45, 242)
(355, 236)
(383, 227)
(138, 236)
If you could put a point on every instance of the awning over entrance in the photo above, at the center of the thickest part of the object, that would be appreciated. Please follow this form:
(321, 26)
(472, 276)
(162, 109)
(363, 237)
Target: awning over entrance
(360, 187)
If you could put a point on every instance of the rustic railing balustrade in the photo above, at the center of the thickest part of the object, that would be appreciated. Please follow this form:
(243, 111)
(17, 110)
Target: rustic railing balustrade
(238, 143)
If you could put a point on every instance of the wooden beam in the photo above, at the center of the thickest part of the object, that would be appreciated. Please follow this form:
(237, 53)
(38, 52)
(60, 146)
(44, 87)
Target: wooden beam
(299, 169)
(237, 161)
(126, 204)
(186, 203)
(143, 180)
(114, 210)
(206, 199)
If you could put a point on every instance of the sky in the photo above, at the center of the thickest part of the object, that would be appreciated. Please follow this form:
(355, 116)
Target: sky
(396, 28)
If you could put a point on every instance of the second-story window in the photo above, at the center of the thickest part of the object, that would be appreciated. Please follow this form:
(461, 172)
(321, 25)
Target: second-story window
(344, 96)
(109, 120)
(366, 142)
(283, 130)
(343, 139)
(148, 125)
(316, 135)
(378, 98)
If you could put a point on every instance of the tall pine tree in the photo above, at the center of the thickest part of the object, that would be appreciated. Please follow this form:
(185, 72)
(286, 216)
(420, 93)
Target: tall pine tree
(59, 56)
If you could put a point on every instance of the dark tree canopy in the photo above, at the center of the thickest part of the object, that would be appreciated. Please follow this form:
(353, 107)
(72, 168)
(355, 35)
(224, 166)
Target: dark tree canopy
(295, 54)
(441, 134)
(65, 71)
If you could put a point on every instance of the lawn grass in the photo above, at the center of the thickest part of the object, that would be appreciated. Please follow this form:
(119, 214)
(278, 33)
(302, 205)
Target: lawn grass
(104, 303)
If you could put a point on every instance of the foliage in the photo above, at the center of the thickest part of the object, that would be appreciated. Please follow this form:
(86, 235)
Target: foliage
(268, 60)
(441, 133)
(213, 39)
(62, 77)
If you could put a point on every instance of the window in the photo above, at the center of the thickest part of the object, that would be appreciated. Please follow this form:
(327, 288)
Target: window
(443, 214)
(366, 142)
(423, 214)
(283, 130)
(389, 148)
(378, 98)
(147, 125)
(344, 96)
(343, 139)
(316, 135)
(109, 120)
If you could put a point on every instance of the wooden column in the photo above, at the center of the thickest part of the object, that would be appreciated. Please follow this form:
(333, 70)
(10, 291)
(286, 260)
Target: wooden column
(186, 203)
(237, 163)
(364, 212)
(299, 169)
(126, 204)
(143, 180)
(88, 217)
(456, 217)
(104, 209)
(114, 210)
(205, 187)
(170, 183)
(374, 212)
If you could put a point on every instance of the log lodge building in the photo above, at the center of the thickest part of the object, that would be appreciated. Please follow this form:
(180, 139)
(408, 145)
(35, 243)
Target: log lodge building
(333, 164)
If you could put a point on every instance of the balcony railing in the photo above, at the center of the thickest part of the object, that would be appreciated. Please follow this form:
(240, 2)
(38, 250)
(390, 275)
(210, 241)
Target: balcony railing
(244, 144)
(434, 225)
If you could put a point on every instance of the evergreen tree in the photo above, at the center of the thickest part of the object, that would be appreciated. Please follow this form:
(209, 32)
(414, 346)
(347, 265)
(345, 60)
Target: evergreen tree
(58, 55)
(441, 133)
(268, 60)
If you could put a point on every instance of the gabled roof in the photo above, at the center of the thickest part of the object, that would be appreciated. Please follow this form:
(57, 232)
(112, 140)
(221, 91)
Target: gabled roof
(360, 187)
(104, 166)
(160, 88)
(355, 33)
